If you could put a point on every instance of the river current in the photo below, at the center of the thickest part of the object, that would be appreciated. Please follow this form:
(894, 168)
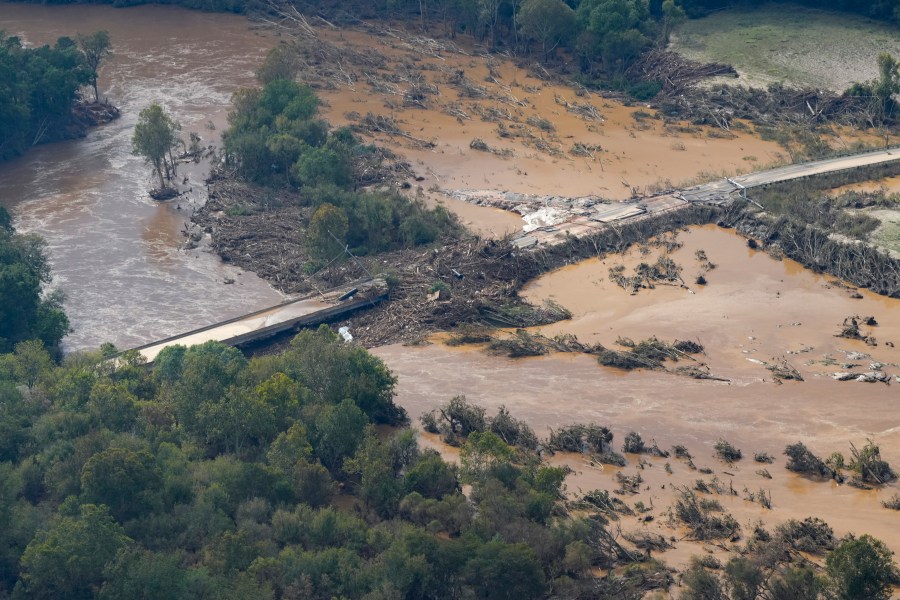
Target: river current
(115, 252)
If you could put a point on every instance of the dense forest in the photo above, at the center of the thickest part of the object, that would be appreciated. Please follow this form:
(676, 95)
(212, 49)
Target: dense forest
(215, 476)
(604, 35)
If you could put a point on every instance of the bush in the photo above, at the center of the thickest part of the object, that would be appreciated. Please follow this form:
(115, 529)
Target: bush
(633, 443)
(727, 452)
(801, 460)
(581, 438)
(861, 569)
(812, 535)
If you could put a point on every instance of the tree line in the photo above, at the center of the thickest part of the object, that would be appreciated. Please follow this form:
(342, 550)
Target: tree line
(28, 309)
(603, 36)
(39, 86)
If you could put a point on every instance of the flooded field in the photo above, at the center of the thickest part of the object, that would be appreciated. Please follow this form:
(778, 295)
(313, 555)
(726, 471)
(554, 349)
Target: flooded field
(532, 125)
(753, 309)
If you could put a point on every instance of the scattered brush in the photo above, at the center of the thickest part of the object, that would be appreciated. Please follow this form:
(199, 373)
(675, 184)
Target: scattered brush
(727, 452)
(763, 457)
(701, 518)
(812, 535)
(892, 503)
(629, 484)
(589, 438)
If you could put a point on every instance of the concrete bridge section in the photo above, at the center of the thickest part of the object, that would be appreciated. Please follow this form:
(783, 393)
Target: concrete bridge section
(277, 319)
(719, 192)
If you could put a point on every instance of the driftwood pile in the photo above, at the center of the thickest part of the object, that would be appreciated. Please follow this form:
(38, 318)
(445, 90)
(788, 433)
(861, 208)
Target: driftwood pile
(675, 72)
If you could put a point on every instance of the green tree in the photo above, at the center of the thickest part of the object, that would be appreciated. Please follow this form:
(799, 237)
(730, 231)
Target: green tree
(137, 574)
(861, 569)
(289, 448)
(155, 136)
(796, 583)
(123, 480)
(614, 31)
(700, 584)
(482, 452)
(334, 371)
(373, 464)
(431, 476)
(113, 406)
(324, 166)
(327, 233)
(68, 559)
(673, 15)
(501, 571)
(27, 311)
(548, 22)
(32, 362)
(236, 419)
(94, 48)
(338, 431)
(745, 579)
(888, 82)
(282, 62)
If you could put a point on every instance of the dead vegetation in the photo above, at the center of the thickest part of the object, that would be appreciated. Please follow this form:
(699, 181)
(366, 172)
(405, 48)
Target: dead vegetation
(676, 73)
(705, 518)
(601, 500)
(585, 439)
(850, 329)
(649, 354)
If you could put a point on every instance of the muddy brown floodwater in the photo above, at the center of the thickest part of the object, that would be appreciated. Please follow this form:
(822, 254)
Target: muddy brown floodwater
(754, 307)
(114, 251)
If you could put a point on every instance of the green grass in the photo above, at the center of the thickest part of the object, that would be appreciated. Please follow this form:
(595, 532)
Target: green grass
(794, 45)
(888, 235)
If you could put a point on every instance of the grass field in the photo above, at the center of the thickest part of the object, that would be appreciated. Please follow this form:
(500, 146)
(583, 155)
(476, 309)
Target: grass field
(795, 45)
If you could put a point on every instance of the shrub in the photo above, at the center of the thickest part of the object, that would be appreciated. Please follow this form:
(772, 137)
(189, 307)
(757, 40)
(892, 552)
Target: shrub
(727, 452)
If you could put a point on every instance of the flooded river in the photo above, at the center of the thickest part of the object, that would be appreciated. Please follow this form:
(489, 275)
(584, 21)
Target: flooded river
(754, 309)
(115, 251)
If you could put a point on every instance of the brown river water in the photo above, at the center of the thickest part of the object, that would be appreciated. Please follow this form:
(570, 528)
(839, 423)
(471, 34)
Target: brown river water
(115, 251)
(754, 308)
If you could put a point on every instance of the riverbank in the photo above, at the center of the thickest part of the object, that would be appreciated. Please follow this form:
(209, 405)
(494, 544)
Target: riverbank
(114, 251)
